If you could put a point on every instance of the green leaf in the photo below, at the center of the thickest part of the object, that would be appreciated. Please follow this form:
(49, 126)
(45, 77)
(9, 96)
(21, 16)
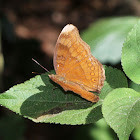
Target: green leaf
(106, 37)
(101, 131)
(135, 86)
(121, 110)
(136, 133)
(39, 100)
(131, 54)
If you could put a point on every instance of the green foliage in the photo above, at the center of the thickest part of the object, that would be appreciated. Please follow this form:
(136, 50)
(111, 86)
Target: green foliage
(136, 133)
(135, 86)
(121, 110)
(101, 131)
(38, 100)
(131, 54)
(106, 37)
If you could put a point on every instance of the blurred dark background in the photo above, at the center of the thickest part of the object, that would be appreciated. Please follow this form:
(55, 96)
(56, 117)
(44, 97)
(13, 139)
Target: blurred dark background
(29, 29)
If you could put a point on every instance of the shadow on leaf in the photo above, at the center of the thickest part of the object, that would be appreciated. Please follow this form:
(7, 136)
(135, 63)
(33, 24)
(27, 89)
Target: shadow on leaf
(51, 102)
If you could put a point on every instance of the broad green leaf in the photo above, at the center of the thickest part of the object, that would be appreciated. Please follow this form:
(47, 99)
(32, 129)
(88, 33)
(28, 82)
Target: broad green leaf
(136, 133)
(135, 86)
(39, 100)
(106, 37)
(121, 110)
(101, 131)
(131, 54)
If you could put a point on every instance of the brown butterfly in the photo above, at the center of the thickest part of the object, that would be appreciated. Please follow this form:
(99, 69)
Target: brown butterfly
(76, 69)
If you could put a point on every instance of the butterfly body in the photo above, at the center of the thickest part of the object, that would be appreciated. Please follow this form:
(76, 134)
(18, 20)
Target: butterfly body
(76, 69)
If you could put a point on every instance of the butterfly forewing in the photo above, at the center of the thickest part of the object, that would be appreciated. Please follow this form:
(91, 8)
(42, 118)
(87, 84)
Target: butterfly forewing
(74, 62)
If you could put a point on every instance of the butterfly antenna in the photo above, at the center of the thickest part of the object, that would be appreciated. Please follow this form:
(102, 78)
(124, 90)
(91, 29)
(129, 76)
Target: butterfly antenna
(40, 65)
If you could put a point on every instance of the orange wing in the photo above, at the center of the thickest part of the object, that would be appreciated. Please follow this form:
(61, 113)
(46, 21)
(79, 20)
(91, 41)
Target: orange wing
(73, 61)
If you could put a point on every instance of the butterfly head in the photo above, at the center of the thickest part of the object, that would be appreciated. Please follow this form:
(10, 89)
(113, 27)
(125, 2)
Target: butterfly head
(56, 78)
